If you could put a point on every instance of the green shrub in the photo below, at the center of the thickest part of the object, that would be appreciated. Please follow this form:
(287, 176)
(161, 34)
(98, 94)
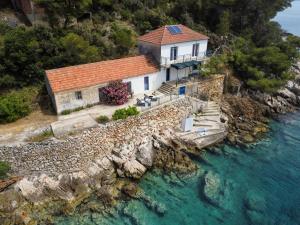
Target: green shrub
(17, 104)
(125, 112)
(132, 111)
(102, 119)
(4, 169)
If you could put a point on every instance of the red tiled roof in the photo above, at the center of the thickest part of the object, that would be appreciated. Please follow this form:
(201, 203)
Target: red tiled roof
(162, 36)
(86, 75)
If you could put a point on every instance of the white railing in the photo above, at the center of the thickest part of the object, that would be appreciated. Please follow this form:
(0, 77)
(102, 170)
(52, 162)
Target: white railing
(166, 61)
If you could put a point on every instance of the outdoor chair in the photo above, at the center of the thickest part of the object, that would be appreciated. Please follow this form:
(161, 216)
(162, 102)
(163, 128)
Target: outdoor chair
(140, 102)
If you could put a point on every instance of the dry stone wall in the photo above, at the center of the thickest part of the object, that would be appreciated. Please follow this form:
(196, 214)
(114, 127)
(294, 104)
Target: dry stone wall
(212, 87)
(78, 153)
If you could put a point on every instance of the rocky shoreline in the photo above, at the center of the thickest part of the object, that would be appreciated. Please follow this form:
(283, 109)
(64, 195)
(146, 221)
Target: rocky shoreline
(101, 163)
(248, 112)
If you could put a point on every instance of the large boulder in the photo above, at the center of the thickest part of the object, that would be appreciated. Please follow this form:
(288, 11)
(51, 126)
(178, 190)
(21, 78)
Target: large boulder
(212, 188)
(133, 169)
(288, 95)
(145, 154)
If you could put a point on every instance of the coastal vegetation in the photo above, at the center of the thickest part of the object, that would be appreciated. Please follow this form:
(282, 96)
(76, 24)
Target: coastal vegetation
(253, 47)
(4, 169)
(125, 112)
(17, 103)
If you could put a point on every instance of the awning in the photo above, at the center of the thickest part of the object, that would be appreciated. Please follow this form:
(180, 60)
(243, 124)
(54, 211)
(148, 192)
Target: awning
(183, 65)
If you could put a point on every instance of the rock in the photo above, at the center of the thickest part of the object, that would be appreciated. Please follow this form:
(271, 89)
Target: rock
(255, 201)
(212, 188)
(145, 154)
(134, 169)
(288, 95)
(153, 205)
(256, 218)
(248, 138)
(130, 189)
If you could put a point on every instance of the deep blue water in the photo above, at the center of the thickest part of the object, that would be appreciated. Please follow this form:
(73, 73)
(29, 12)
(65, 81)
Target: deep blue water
(290, 18)
(268, 173)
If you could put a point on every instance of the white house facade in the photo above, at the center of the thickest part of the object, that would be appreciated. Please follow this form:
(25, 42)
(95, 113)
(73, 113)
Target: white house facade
(167, 54)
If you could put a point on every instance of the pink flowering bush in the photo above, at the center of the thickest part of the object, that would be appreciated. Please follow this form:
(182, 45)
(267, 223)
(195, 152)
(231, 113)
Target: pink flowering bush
(116, 93)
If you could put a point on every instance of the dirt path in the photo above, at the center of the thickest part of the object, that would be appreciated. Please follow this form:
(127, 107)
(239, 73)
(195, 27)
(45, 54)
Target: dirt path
(19, 131)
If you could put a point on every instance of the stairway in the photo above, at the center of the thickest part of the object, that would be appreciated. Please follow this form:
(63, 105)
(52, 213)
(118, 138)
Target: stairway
(167, 89)
(208, 120)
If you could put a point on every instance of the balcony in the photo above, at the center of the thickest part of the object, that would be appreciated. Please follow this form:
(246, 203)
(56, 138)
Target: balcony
(166, 61)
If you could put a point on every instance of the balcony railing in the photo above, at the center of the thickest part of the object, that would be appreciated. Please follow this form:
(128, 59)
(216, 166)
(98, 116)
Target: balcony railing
(166, 61)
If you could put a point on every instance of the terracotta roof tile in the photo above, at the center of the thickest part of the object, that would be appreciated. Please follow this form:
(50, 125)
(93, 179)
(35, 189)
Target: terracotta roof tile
(162, 36)
(86, 75)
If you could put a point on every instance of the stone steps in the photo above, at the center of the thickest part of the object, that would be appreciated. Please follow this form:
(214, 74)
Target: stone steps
(166, 89)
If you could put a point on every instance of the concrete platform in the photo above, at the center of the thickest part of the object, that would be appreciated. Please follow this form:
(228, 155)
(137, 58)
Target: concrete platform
(65, 127)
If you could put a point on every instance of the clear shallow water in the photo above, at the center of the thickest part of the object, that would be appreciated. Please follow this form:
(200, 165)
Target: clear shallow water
(268, 171)
(290, 18)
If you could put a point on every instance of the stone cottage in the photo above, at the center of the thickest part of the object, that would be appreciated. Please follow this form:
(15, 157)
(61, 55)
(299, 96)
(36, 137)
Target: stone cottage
(167, 54)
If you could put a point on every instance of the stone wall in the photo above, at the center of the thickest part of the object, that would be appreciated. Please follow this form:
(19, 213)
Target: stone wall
(212, 88)
(78, 153)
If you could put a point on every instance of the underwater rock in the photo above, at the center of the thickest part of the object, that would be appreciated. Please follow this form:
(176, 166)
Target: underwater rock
(255, 202)
(131, 211)
(157, 207)
(212, 188)
(216, 191)
(256, 218)
(130, 189)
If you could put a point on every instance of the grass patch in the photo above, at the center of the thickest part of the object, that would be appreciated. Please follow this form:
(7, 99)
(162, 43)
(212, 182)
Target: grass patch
(42, 136)
(4, 169)
(69, 111)
(102, 119)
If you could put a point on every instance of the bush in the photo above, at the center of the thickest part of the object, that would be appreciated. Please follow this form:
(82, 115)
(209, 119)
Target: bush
(17, 104)
(4, 169)
(124, 113)
(102, 119)
(116, 93)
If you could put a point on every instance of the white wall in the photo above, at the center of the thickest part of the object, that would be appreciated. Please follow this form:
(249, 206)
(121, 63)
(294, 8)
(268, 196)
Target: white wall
(184, 48)
(137, 83)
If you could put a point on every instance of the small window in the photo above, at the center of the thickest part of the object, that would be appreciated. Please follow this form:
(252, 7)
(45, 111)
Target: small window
(195, 49)
(174, 51)
(78, 95)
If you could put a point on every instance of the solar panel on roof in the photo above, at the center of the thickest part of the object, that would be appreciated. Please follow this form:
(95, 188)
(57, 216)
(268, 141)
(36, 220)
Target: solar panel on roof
(177, 29)
(174, 30)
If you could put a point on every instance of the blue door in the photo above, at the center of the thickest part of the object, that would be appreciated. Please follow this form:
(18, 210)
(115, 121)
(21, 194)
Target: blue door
(146, 83)
(182, 90)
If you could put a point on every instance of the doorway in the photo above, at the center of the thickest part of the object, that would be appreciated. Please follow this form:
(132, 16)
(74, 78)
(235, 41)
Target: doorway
(146, 83)
(168, 74)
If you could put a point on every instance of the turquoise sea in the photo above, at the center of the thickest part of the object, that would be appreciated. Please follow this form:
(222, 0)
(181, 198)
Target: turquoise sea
(290, 18)
(260, 185)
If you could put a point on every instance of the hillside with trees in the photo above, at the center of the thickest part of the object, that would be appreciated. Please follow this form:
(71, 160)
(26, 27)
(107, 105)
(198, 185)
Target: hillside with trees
(85, 31)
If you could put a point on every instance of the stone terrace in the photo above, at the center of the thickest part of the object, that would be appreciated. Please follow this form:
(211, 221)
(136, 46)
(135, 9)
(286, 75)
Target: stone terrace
(77, 153)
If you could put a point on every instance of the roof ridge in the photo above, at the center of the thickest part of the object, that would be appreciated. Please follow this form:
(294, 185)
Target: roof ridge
(163, 34)
(102, 61)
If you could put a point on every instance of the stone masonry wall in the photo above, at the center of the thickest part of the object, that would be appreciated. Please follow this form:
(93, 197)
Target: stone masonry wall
(77, 153)
(212, 87)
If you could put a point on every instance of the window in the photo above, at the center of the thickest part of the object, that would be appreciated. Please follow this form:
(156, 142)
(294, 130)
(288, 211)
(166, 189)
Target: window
(195, 50)
(78, 95)
(173, 55)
